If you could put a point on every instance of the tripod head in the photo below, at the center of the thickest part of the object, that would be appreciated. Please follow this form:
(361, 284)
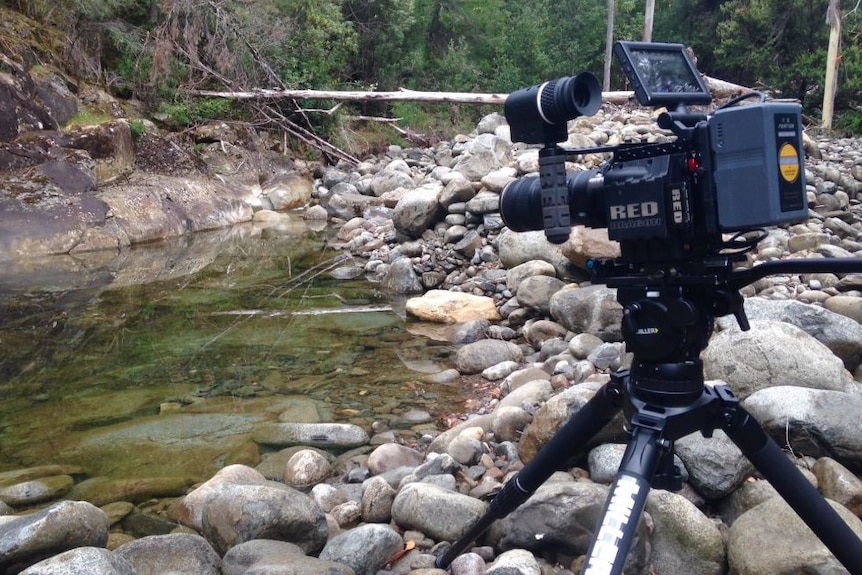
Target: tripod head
(669, 313)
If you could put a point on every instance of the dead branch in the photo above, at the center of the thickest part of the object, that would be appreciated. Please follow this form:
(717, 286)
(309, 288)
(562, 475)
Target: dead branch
(306, 136)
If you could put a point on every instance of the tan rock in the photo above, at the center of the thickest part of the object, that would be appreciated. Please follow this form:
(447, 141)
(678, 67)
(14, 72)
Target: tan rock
(444, 306)
(589, 243)
(846, 305)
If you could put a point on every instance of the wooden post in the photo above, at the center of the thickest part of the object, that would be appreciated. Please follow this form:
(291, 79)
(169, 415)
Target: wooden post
(833, 18)
(609, 42)
(648, 20)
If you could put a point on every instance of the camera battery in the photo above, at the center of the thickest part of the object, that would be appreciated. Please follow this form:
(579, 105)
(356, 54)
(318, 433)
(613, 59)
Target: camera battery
(758, 165)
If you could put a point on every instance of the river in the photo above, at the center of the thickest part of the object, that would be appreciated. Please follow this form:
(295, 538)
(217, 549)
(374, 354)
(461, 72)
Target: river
(160, 360)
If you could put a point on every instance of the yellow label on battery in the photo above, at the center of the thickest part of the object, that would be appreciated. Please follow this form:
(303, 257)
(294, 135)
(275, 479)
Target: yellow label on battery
(788, 162)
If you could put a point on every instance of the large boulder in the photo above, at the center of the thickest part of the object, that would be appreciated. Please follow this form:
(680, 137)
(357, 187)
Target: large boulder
(239, 513)
(438, 512)
(592, 309)
(773, 353)
(418, 210)
(813, 422)
(771, 538)
(841, 334)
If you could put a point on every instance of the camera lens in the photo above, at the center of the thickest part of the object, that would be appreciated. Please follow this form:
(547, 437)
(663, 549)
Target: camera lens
(521, 202)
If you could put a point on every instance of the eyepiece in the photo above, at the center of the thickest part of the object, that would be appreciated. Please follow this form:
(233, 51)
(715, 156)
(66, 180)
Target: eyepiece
(538, 114)
(567, 98)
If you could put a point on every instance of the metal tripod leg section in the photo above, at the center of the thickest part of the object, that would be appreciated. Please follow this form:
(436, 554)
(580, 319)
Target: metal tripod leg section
(802, 497)
(586, 423)
(624, 504)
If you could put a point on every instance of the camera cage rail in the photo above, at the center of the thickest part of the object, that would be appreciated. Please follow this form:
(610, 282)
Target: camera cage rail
(663, 397)
(681, 123)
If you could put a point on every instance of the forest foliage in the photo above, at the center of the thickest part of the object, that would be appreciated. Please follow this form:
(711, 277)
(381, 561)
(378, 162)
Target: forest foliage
(154, 49)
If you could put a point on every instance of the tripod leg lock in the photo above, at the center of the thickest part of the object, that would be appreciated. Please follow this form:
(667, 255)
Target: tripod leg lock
(731, 416)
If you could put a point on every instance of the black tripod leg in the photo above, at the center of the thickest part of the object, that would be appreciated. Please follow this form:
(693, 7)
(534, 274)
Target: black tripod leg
(803, 497)
(586, 423)
(625, 503)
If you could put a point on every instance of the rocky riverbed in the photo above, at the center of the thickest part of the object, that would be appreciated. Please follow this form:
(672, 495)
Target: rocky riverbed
(536, 340)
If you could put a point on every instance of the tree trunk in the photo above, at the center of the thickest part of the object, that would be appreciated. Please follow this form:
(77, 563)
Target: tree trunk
(609, 41)
(648, 20)
(833, 18)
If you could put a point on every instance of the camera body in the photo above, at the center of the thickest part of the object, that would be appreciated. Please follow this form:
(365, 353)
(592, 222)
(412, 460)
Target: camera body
(738, 169)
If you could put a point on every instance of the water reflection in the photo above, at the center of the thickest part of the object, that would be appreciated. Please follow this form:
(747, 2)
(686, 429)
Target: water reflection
(97, 351)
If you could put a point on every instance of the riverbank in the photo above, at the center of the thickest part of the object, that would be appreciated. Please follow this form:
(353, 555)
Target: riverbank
(539, 340)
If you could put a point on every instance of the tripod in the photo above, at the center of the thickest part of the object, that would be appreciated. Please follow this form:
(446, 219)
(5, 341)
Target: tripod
(668, 319)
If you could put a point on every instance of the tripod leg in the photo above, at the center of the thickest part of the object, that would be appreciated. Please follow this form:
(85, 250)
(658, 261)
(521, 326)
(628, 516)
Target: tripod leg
(586, 423)
(803, 497)
(624, 505)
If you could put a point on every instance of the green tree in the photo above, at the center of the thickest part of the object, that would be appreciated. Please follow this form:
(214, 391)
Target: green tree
(775, 44)
(382, 30)
(318, 43)
(455, 44)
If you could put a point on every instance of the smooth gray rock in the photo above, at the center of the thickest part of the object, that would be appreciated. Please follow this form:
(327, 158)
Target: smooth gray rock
(556, 412)
(684, 539)
(815, 422)
(245, 556)
(477, 356)
(306, 468)
(509, 422)
(239, 513)
(36, 490)
(520, 272)
(773, 353)
(591, 309)
(189, 510)
(376, 502)
(839, 333)
(82, 561)
(771, 538)
(516, 248)
(715, 465)
(482, 155)
(604, 462)
(66, 525)
(437, 512)
(418, 210)
(401, 278)
(535, 292)
(749, 495)
(391, 456)
(332, 435)
(839, 484)
(514, 562)
(364, 549)
(529, 396)
(180, 552)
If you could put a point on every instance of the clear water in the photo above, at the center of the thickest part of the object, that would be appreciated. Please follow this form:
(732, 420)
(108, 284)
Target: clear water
(237, 323)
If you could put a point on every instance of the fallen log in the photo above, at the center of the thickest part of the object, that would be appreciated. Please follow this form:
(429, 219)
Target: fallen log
(719, 89)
